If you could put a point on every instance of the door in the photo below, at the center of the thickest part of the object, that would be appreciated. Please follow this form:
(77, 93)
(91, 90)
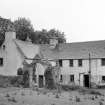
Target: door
(86, 80)
(40, 81)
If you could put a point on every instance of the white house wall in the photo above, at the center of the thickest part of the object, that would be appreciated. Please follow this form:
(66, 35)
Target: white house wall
(96, 71)
(10, 57)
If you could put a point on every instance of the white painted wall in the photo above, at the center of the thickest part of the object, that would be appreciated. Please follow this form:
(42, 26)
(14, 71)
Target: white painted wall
(96, 70)
(10, 55)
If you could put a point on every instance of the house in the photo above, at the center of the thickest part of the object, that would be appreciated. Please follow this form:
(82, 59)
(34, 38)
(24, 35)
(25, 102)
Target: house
(77, 61)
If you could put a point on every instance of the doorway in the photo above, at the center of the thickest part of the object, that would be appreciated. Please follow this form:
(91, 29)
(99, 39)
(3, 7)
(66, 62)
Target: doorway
(86, 80)
(41, 81)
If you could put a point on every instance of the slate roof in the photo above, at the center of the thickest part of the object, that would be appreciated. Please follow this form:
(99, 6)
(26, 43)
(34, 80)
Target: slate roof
(26, 49)
(79, 50)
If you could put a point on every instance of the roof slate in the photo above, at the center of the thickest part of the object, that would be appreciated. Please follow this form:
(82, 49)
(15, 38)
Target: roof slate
(79, 50)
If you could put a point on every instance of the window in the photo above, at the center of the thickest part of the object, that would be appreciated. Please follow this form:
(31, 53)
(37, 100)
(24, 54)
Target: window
(71, 62)
(61, 78)
(60, 62)
(79, 62)
(103, 78)
(1, 61)
(103, 61)
(71, 78)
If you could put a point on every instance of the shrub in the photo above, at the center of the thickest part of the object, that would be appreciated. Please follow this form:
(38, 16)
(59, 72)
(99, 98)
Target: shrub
(89, 91)
(17, 81)
(12, 99)
(69, 87)
(49, 79)
(95, 92)
(77, 99)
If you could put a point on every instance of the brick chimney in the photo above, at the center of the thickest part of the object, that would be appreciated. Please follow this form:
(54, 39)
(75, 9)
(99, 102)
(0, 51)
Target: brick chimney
(53, 42)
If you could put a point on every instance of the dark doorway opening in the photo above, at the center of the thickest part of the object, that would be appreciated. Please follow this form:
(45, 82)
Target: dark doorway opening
(41, 81)
(86, 81)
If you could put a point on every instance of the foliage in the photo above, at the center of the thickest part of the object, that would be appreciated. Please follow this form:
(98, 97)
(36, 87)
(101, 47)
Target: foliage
(44, 36)
(40, 37)
(23, 28)
(56, 33)
(49, 80)
(4, 23)
(16, 81)
(90, 91)
(26, 79)
(69, 87)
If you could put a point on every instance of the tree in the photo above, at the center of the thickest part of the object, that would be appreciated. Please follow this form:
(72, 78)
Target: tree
(44, 36)
(49, 78)
(23, 28)
(40, 37)
(4, 23)
(56, 33)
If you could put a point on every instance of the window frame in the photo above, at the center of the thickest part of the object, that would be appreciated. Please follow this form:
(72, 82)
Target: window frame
(71, 62)
(103, 78)
(80, 62)
(61, 77)
(102, 61)
(1, 61)
(60, 62)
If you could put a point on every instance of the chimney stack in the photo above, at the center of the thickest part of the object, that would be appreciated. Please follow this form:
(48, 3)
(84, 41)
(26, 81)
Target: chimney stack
(53, 42)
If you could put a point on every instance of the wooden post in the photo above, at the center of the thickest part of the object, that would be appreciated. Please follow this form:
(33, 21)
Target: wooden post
(30, 77)
(89, 71)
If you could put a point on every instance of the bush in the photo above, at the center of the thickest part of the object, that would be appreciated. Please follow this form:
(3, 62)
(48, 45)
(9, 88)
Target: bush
(5, 81)
(49, 79)
(17, 81)
(95, 92)
(69, 87)
(90, 91)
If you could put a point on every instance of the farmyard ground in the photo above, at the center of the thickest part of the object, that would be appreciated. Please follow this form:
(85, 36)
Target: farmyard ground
(19, 96)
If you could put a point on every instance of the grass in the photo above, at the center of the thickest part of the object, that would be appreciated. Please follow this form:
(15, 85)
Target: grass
(90, 91)
(69, 87)
(7, 95)
(12, 99)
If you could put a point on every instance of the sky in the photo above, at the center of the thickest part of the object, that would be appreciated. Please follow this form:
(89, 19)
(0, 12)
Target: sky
(80, 20)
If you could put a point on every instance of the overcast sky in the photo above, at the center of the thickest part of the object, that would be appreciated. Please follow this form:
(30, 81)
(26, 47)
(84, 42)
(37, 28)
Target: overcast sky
(81, 20)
